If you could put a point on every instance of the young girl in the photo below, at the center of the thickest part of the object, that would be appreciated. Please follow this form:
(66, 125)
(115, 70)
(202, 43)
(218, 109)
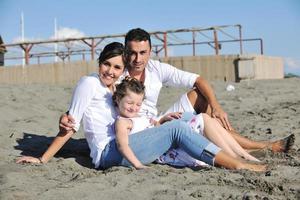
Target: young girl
(128, 98)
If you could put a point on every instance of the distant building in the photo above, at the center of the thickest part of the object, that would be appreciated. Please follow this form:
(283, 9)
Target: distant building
(2, 52)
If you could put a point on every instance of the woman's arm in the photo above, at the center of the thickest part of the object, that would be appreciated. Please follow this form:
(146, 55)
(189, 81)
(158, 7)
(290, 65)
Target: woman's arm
(66, 122)
(82, 96)
(122, 129)
(55, 146)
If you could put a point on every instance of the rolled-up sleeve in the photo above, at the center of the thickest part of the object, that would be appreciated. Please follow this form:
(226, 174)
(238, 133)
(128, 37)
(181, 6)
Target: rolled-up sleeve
(172, 76)
(82, 96)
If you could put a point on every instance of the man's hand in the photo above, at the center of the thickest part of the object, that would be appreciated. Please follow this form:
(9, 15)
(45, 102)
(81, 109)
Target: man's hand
(218, 112)
(66, 122)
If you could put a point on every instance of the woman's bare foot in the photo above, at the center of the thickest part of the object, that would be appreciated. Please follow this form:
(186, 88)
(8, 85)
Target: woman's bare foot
(253, 167)
(283, 145)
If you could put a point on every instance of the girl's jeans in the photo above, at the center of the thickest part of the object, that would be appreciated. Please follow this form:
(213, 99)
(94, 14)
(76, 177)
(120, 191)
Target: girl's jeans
(151, 143)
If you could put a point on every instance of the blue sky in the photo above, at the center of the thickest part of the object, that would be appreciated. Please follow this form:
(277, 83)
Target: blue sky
(276, 21)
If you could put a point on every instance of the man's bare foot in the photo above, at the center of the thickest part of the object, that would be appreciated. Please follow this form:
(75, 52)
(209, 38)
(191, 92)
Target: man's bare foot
(283, 145)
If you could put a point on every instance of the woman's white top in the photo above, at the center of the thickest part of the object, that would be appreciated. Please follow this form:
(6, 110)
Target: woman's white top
(92, 104)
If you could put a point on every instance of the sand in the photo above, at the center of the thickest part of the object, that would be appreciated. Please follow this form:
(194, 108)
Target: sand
(265, 109)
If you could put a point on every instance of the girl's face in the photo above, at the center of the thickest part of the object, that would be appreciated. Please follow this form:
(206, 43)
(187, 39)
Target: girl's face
(130, 105)
(110, 70)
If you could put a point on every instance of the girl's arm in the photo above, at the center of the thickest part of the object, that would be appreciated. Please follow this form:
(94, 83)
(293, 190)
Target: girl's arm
(122, 129)
(169, 117)
(55, 146)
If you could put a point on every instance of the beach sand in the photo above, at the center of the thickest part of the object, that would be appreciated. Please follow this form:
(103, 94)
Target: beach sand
(260, 109)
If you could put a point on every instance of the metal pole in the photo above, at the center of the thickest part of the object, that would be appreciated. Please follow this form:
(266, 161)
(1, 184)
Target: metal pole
(194, 41)
(261, 47)
(55, 37)
(92, 48)
(156, 51)
(216, 42)
(240, 35)
(69, 54)
(165, 44)
(22, 38)
(26, 51)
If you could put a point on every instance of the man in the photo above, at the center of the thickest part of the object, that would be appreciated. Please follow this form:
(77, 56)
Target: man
(201, 98)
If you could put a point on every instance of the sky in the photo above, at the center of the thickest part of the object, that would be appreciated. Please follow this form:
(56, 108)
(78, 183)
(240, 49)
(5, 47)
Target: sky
(277, 22)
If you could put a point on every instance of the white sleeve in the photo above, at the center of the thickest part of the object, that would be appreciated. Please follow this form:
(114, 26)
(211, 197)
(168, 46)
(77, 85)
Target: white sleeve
(82, 96)
(175, 77)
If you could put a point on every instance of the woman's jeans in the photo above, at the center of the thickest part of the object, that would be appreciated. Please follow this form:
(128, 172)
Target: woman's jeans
(151, 143)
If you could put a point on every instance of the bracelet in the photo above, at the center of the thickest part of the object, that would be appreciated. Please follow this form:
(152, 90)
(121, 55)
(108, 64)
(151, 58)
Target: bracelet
(40, 159)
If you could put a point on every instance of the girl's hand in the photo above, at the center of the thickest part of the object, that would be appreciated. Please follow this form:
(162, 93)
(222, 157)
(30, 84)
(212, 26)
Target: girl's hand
(28, 159)
(141, 167)
(154, 122)
(170, 116)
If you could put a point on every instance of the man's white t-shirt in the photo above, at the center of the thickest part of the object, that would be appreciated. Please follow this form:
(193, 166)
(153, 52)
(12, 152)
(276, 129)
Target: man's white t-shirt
(158, 74)
(92, 103)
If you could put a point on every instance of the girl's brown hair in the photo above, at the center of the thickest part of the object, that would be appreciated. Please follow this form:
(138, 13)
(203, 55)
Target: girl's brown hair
(131, 84)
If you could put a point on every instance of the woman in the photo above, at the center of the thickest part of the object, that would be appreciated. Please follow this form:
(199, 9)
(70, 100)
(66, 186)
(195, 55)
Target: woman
(92, 104)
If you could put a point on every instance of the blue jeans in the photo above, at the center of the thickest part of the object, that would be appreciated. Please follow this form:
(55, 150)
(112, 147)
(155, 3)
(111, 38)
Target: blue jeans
(151, 143)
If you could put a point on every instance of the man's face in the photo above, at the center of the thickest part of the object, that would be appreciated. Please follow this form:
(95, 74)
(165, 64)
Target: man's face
(138, 55)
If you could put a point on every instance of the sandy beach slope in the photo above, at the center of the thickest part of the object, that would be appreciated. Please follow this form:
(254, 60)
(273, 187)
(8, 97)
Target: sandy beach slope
(265, 109)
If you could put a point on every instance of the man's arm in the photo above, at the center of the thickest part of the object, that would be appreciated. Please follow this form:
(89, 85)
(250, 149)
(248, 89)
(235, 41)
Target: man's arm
(216, 110)
(179, 78)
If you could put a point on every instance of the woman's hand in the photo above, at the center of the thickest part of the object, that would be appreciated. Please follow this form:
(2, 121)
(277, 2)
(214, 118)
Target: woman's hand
(170, 117)
(28, 159)
(66, 122)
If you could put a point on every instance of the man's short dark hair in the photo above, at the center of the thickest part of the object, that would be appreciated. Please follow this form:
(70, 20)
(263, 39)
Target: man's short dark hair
(137, 34)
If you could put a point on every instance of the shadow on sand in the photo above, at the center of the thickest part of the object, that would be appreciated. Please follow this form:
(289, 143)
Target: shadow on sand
(35, 145)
